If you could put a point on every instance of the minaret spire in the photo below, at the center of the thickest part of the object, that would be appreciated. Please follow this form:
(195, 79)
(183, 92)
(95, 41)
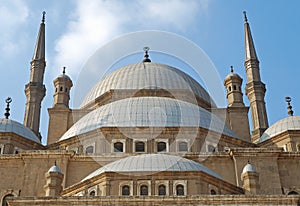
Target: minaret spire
(249, 45)
(255, 88)
(39, 51)
(35, 90)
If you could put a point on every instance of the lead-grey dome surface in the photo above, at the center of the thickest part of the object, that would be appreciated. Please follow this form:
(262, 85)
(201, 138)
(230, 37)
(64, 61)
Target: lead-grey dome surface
(248, 168)
(147, 75)
(288, 123)
(7, 125)
(152, 163)
(148, 112)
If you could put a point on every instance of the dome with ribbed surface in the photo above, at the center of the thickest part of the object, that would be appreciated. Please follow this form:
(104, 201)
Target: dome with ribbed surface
(152, 163)
(7, 125)
(148, 112)
(147, 75)
(288, 123)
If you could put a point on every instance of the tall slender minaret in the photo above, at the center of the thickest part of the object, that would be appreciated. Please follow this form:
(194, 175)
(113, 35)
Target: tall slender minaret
(255, 88)
(35, 90)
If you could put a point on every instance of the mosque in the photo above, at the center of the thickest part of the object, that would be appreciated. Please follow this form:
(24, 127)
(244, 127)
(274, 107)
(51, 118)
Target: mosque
(149, 134)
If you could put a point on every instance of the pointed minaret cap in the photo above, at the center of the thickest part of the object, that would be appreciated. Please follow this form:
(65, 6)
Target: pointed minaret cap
(250, 52)
(289, 107)
(39, 51)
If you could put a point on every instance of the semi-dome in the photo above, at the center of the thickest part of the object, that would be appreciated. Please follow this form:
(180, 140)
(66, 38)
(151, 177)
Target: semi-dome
(152, 163)
(7, 125)
(147, 75)
(288, 123)
(148, 112)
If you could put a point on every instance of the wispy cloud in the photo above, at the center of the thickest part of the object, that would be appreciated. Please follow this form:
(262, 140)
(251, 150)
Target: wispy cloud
(13, 14)
(96, 22)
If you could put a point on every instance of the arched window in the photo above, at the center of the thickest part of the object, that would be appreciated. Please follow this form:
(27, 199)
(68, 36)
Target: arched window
(179, 190)
(60, 89)
(182, 147)
(125, 190)
(234, 87)
(229, 88)
(161, 147)
(298, 147)
(118, 147)
(4, 203)
(89, 150)
(140, 147)
(92, 193)
(293, 193)
(144, 190)
(66, 89)
(161, 190)
(211, 148)
(213, 192)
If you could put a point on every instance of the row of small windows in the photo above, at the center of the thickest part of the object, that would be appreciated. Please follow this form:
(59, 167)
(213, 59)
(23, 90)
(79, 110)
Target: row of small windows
(141, 147)
(161, 190)
(234, 88)
(61, 89)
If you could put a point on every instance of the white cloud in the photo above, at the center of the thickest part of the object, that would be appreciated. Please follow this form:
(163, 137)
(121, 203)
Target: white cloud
(13, 14)
(95, 22)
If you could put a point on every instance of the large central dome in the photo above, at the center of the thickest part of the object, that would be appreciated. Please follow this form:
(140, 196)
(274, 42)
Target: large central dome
(149, 76)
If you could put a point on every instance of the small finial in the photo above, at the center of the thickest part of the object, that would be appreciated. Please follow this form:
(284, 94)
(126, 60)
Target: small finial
(7, 109)
(64, 70)
(55, 163)
(245, 17)
(248, 162)
(231, 69)
(146, 56)
(289, 107)
(43, 19)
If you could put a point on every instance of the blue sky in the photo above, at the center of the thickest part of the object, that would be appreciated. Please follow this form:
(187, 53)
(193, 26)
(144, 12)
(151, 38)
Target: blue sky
(76, 29)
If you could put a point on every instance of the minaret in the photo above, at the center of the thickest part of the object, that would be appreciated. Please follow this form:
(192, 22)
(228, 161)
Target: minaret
(60, 115)
(237, 112)
(35, 90)
(255, 88)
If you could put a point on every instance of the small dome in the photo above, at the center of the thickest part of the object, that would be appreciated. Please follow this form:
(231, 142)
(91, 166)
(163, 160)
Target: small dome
(54, 168)
(152, 163)
(147, 75)
(231, 75)
(64, 76)
(288, 123)
(148, 112)
(249, 168)
(7, 125)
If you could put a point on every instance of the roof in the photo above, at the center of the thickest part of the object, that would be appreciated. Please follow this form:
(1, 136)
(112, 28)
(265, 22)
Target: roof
(288, 123)
(148, 112)
(152, 163)
(54, 168)
(7, 125)
(249, 168)
(147, 75)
